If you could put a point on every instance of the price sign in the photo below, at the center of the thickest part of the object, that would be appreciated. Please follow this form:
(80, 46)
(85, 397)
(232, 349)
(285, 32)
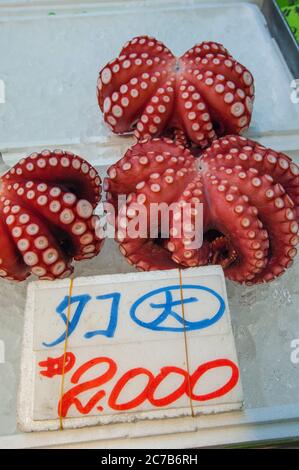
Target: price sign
(129, 346)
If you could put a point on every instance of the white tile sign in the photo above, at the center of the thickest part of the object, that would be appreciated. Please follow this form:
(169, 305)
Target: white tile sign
(139, 346)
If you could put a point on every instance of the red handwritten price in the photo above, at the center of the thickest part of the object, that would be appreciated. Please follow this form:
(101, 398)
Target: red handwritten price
(149, 392)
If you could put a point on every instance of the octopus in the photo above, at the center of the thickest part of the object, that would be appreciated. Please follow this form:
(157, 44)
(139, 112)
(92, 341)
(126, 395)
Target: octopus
(47, 203)
(205, 93)
(249, 197)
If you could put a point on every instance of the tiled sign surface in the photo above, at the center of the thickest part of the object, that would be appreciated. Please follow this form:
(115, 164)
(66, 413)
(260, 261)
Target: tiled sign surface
(141, 345)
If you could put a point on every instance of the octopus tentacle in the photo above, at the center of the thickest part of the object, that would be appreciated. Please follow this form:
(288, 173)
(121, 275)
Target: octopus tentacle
(169, 167)
(196, 119)
(68, 216)
(125, 106)
(181, 235)
(217, 76)
(236, 107)
(62, 167)
(12, 266)
(39, 248)
(141, 251)
(126, 85)
(274, 208)
(205, 48)
(220, 62)
(146, 44)
(234, 150)
(147, 256)
(157, 112)
(123, 69)
(142, 160)
(243, 228)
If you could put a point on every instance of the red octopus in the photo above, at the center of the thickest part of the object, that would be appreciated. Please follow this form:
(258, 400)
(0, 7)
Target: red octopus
(250, 198)
(205, 93)
(47, 204)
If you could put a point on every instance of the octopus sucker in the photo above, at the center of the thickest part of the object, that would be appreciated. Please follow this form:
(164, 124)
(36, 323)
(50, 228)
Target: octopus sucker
(204, 93)
(47, 202)
(249, 213)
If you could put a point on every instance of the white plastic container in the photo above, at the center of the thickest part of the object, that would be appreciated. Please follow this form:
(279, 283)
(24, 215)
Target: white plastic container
(51, 55)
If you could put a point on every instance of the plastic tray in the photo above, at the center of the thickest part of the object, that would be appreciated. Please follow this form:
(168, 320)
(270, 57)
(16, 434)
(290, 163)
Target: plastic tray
(283, 34)
(50, 60)
(51, 89)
